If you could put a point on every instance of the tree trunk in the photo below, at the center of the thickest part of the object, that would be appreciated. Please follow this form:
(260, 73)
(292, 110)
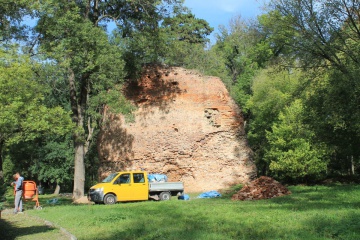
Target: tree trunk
(352, 166)
(1, 157)
(79, 173)
(77, 107)
(57, 189)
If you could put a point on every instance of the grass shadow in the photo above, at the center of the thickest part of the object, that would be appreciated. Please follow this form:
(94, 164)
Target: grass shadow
(309, 213)
(210, 223)
(9, 231)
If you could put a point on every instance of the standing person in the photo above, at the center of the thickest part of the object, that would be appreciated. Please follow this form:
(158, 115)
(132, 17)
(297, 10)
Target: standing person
(18, 192)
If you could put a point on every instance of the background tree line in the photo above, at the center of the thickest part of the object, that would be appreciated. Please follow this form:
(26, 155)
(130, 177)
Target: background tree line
(293, 71)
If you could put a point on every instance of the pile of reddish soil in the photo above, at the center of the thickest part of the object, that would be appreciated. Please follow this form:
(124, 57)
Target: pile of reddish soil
(261, 188)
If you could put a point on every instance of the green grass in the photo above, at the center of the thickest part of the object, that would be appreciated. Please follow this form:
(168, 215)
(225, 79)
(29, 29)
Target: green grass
(317, 212)
(23, 227)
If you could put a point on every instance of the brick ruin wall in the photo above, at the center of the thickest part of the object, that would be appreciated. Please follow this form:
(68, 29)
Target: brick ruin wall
(186, 126)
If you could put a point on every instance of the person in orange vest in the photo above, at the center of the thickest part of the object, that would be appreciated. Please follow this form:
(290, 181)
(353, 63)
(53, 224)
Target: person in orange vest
(18, 183)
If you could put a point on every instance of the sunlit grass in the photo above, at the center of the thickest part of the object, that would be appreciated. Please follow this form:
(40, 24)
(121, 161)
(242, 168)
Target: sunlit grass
(317, 212)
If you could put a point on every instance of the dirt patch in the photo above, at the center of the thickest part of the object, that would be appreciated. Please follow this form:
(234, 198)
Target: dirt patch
(261, 188)
(82, 200)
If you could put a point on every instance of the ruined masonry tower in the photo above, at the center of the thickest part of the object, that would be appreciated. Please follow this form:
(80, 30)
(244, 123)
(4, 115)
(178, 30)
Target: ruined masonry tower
(186, 126)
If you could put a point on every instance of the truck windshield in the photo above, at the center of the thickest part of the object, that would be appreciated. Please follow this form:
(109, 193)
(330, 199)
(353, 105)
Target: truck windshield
(109, 178)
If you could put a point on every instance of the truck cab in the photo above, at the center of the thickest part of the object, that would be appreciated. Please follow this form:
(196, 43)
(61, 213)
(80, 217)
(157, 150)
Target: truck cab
(131, 186)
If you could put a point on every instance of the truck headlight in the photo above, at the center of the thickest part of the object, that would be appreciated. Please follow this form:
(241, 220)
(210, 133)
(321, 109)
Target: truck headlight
(99, 189)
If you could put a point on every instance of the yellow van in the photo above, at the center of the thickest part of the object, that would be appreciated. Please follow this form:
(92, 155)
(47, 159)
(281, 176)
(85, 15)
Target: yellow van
(132, 186)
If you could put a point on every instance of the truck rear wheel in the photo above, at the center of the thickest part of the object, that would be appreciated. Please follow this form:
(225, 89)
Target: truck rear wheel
(110, 199)
(164, 196)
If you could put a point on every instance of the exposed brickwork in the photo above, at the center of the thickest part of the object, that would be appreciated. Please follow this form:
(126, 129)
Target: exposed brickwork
(186, 126)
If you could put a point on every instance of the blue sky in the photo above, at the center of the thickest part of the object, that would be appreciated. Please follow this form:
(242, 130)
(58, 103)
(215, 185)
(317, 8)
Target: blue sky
(215, 12)
(219, 12)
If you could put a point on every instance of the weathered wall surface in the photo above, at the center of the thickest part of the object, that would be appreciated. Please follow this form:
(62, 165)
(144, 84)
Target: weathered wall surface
(186, 126)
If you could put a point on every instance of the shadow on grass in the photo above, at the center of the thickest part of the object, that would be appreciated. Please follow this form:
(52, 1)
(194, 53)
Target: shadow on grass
(320, 197)
(332, 227)
(310, 213)
(9, 231)
(214, 225)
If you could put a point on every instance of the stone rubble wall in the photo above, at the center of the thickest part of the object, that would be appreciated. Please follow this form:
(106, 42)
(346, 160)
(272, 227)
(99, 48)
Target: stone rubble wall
(186, 126)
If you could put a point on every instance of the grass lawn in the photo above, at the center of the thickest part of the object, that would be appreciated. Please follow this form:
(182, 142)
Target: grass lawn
(23, 227)
(316, 212)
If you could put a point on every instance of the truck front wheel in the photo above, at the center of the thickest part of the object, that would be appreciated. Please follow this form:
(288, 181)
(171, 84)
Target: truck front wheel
(110, 199)
(165, 196)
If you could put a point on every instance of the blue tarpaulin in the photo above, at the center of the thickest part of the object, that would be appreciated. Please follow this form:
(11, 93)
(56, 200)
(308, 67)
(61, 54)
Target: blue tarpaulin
(210, 194)
(157, 178)
(53, 201)
(184, 197)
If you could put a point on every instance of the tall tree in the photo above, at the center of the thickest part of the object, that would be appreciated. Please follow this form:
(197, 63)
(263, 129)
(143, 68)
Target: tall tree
(23, 113)
(185, 37)
(73, 34)
(184, 26)
(53, 161)
(319, 31)
(273, 90)
(239, 46)
(325, 35)
(93, 68)
(332, 111)
(235, 43)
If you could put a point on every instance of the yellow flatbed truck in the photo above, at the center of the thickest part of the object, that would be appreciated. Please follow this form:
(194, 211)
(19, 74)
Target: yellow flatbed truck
(132, 186)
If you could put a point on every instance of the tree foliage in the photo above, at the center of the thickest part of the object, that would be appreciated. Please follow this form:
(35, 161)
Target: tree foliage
(244, 53)
(185, 27)
(11, 17)
(320, 31)
(331, 108)
(73, 35)
(323, 38)
(53, 162)
(83, 66)
(293, 71)
(23, 112)
(293, 155)
(93, 68)
(273, 90)
(299, 58)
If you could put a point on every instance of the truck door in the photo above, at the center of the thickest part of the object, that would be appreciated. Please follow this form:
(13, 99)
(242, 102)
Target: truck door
(122, 187)
(140, 188)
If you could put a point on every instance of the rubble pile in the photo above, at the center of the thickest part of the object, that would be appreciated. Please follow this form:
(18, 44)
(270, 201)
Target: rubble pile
(261, 188)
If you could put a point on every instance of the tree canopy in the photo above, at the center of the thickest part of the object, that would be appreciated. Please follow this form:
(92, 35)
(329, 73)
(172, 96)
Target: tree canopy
(24, 115)
(82, 66)
(293, 71)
